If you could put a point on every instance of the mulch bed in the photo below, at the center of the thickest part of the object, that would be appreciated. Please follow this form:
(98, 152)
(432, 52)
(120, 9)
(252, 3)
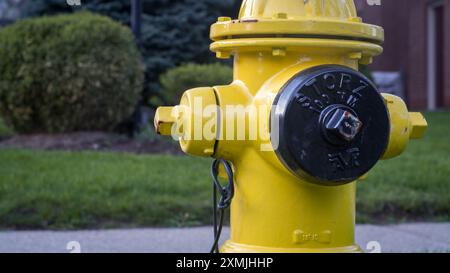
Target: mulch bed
(91, 141)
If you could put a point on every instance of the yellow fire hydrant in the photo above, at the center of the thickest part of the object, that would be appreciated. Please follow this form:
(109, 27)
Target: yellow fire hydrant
(299, 124)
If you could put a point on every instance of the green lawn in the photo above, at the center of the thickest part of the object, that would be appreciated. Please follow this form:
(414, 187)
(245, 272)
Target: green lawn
(414, 186)
(86, 189)
(91, 190)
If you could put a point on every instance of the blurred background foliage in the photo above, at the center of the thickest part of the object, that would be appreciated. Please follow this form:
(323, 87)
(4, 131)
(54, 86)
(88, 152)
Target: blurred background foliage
(173, 31)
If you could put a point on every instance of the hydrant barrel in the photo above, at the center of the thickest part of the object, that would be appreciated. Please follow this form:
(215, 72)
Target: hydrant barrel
(299, 124)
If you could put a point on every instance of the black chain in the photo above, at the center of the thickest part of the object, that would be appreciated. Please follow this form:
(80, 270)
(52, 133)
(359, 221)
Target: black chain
(226, 195)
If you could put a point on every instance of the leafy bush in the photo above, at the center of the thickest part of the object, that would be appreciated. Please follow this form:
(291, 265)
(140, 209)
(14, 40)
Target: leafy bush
(175, 81)
(68, 73)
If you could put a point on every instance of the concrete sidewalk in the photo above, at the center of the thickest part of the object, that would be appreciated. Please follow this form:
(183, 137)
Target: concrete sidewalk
(395, 238)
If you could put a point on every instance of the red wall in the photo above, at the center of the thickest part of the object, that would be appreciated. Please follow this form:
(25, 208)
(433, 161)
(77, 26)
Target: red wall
(447, 53)
(417, 55)
(405, 48)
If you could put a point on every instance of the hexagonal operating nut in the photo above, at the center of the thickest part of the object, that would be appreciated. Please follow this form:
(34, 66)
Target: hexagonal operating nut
(344, 125)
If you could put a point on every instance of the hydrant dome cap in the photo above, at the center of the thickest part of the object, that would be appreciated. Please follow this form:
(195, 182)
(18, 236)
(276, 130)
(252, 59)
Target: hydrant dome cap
(302, 18)
(267, 9)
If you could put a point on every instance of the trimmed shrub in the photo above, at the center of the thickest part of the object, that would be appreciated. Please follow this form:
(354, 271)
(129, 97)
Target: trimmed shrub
(177, 80)
(68, 73)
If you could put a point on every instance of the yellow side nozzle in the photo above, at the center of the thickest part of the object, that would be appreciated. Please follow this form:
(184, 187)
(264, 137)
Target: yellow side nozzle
(418, 125)
(164, 120)
(404, 126)
(193, 122)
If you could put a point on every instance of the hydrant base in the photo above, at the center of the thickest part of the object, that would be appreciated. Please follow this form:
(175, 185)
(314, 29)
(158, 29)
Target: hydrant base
(232, 247)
